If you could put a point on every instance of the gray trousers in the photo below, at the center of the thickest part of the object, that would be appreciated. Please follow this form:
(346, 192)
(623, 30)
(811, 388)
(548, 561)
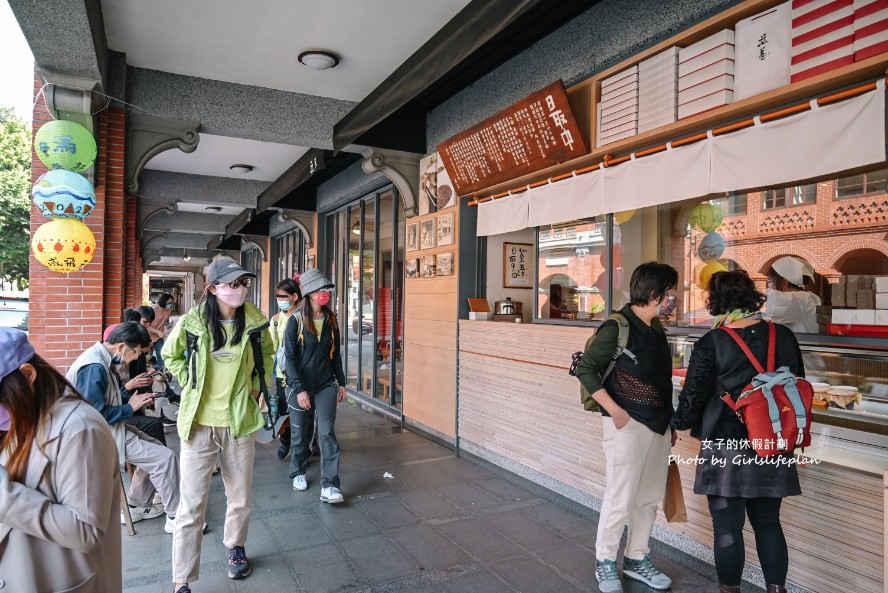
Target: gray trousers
(323, 404)
(157, 468)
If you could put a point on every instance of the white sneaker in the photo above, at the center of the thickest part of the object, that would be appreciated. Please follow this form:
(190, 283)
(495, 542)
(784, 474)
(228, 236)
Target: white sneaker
(157, 501)
(142, 513)
(170, 525)
(331, 494)
(300, 484)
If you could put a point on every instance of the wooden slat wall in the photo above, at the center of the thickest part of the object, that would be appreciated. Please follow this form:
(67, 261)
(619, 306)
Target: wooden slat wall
(430, 313)
(517, 400)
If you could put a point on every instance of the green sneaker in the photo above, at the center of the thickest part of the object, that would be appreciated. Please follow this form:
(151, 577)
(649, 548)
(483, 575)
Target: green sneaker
(644, 570)
(608, 577)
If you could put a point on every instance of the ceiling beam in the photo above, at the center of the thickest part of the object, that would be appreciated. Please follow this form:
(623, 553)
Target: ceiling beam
(190, 222)
(164, 187)
(237, 110)
(181, 240)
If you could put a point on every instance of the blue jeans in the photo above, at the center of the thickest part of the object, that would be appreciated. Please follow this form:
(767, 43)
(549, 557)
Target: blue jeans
(324, 404)
(158, 346)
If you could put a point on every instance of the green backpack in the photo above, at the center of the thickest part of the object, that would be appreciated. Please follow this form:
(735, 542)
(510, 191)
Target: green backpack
(586, 398)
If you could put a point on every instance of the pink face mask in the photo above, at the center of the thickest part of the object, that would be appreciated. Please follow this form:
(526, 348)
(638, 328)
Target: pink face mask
(322, 297)
(233, 297)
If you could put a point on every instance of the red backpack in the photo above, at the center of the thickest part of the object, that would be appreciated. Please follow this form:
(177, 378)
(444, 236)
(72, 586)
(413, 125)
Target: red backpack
(775, 406)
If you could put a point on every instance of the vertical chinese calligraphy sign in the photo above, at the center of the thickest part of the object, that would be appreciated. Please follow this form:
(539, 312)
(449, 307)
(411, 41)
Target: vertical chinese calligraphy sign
(534, 133)
(518, 270)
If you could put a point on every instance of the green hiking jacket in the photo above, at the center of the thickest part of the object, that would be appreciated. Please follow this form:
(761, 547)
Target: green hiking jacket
(244, 415)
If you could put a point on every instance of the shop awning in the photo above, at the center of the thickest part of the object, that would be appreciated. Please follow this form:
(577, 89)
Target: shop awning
(822, 141)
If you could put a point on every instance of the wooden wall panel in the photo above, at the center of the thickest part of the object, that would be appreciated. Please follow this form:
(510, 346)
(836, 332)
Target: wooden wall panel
(517, 400)
(430, 313)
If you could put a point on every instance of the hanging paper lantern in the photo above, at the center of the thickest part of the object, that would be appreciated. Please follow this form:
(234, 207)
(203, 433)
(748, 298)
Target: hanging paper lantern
(624, 216)
(63, 245)
(706, 217)
(63, 144)
(711, 247)
(705, 272)
(64, 194)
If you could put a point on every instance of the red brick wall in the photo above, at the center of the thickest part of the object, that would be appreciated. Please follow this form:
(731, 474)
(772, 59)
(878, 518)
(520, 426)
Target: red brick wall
(69, 311)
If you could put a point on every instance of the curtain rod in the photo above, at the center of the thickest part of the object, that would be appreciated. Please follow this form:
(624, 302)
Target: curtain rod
(610, 161)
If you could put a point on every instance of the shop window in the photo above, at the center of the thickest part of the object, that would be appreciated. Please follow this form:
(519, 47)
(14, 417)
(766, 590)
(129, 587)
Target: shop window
(732, 205)
(789, 196)
(287, 257)
(572, 279)
(875, 182)
(252, 262)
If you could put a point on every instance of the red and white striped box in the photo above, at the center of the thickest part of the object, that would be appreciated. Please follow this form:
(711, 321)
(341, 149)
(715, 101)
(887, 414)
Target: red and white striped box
(822, 36)
(870, 28)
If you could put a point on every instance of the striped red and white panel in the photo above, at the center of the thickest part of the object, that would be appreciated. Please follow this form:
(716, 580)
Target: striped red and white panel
(870, 28)
(822, 36)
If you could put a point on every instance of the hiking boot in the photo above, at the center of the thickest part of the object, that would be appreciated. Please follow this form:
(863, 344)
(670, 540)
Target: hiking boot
(141, 513)
(644, 570)
(300, 484)
(183, 589)
(284, 449)
(608, 577)
(170, 525)
(728, 588)
(331, 495)
(776, 589)
(238, 565)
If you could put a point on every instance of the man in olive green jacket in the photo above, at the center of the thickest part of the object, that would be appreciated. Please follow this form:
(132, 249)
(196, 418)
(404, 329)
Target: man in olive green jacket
(210, 351)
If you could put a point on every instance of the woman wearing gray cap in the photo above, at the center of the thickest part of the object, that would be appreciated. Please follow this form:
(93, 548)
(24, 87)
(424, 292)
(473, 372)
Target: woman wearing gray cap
(788, 302)
(314, 380)
(59, 481)
(210, 352)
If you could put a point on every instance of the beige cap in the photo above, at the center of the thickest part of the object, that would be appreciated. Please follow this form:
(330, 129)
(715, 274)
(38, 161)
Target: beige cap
(792, 269)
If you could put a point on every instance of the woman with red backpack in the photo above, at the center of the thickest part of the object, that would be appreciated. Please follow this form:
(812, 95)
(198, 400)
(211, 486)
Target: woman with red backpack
(736, 480)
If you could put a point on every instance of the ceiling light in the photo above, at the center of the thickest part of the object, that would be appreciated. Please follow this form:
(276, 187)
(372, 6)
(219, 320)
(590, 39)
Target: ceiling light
(318, 60)
(187, 257)
(214, 209)
(241, 169)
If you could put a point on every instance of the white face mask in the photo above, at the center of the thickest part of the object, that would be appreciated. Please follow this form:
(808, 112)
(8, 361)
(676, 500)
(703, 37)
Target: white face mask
(284, 305)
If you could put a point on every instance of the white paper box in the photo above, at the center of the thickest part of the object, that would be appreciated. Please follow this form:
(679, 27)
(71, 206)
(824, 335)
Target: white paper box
(882, 300)
(667, 56)
(620, 79)
(725, 37)
(844, 316)
(704, 74)
(863, 317)
(617, 102)
(658, 110)
(721, 83)
(880, 283)
(624, 127)
(763, 51)
(606, 127)
(617, 138)
(658, 80)
(619, 91)
(705, 104)
(607, 119)
(881, 317)
(650, 123)
(479, 315)
(713, 56)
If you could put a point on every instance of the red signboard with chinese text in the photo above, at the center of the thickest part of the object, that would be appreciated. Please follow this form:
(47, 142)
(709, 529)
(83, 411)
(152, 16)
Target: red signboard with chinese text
(534, 133)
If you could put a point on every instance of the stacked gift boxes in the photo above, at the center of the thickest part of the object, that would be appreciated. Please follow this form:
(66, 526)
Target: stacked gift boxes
(859, 300)
(706, 74)
(870, 28)
(658, 90)
(618, 108)
(822, 36)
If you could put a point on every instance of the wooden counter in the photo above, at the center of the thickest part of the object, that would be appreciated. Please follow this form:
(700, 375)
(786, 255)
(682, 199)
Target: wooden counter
(517, 401)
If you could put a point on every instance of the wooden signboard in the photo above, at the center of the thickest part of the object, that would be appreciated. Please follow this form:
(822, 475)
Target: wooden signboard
(534, 133)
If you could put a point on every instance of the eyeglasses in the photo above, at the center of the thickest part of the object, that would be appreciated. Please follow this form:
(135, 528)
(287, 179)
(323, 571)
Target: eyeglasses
(244, 281)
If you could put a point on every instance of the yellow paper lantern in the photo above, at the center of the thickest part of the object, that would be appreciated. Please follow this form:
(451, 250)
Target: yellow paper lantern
(624, 216)
(707, 270)
(64, 245)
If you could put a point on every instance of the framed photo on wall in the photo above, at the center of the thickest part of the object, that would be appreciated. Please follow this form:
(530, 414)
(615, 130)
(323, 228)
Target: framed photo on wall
(518, 268)
(427, 234)
(413, 236)
(412, 267)
(445, 229)
(444, 264)
(427, 266)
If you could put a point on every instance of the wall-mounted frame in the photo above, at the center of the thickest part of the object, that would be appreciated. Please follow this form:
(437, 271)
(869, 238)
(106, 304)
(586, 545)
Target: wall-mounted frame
(427, 234)
(413, 236)
(445, 229)
(518, 265)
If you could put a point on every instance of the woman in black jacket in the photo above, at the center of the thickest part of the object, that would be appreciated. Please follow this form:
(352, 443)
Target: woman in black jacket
(314, 379)
(729, 472)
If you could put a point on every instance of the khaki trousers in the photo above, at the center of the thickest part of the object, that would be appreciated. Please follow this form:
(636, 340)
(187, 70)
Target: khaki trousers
(198, 458)
(637, 465)
(157, 469)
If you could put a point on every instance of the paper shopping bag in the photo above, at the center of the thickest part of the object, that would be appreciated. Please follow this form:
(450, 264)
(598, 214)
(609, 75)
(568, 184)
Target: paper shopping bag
(673, 501)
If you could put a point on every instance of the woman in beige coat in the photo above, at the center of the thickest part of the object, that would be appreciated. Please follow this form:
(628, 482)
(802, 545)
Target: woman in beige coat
(59, 481)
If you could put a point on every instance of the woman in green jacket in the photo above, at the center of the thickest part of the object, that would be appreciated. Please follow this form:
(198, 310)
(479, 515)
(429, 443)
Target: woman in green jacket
(210, 351)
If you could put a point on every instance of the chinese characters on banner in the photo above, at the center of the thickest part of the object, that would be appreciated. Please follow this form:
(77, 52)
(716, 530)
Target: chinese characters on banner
(532, 134)
(517, 265)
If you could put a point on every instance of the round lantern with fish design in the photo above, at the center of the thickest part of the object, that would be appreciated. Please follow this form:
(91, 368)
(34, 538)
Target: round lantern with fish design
(64, 194)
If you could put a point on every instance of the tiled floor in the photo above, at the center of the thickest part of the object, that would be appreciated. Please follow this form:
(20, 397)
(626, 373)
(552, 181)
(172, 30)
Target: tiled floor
(441, 525)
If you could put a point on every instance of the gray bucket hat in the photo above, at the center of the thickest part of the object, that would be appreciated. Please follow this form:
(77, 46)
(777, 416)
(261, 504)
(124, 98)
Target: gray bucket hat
(225, 270)
(313, 280)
